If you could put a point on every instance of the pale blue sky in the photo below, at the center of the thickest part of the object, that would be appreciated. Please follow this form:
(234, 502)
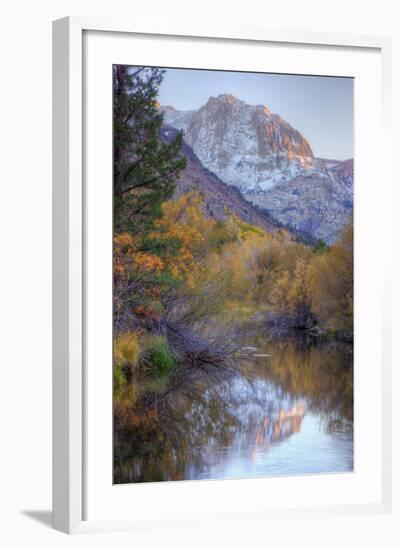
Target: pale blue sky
(321, 108)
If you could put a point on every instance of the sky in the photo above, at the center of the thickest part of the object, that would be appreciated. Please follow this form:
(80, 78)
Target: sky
(321, 108)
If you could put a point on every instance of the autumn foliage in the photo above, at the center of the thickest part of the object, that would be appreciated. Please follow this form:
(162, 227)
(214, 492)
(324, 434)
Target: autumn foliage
(181, 274)
(238, 265)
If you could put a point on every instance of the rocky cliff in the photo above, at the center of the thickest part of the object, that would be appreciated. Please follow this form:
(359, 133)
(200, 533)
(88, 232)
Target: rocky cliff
(270, 162)
(220, 200)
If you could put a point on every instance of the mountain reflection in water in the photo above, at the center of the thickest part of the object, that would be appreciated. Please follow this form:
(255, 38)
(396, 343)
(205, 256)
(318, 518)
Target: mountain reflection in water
(286, 414)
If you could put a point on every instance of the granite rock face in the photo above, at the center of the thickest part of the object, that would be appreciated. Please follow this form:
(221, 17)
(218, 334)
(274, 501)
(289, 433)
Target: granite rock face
(344, 171)
(220, 200)
(270, 162)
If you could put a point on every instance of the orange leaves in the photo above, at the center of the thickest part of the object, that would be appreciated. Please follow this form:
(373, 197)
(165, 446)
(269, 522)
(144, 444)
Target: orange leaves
(123, 241)
(148, 262)
(146, 267)
(136, 276)
(128, 257)
(146, 312)
(222, 267)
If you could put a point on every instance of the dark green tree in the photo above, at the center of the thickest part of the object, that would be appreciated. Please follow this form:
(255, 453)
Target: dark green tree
(146, 168)
(320, 246)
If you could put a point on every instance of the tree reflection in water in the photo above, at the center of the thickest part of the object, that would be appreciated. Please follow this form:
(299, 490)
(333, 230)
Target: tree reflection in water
(228, 428)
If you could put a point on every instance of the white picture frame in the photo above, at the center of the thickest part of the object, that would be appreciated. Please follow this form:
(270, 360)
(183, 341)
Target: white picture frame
(70, 257)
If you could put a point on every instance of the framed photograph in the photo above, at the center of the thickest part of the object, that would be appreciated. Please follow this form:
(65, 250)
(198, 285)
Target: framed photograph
(220, 322)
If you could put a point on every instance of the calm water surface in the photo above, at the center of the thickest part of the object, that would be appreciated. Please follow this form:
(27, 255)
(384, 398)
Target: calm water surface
(285, 414)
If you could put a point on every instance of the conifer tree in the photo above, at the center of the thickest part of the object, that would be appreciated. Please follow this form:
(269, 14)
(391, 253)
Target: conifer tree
(145, 168)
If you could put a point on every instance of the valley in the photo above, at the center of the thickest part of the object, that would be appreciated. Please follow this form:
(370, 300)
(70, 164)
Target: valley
(232, 291)
(270, 163)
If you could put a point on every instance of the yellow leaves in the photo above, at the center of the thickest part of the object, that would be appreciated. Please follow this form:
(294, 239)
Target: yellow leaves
(285, 275)
(279, 295)
(330, 281)
(225, 266)
(248, 231)
(126, 349)
(298, 293)
(183, 221)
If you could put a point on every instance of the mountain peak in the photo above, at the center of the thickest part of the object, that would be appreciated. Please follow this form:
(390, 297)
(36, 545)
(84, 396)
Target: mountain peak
(244, 144)
(264, 109)
(231, 99)
(227, 99)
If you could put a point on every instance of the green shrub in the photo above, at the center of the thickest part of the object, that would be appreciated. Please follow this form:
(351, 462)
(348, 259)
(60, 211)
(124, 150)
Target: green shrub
(159, 359)
(119, 379)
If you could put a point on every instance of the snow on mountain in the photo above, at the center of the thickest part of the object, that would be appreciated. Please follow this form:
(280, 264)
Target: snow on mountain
(270, 162)
(220, 200)
(177, 119)
(345, 173)
(245, 145)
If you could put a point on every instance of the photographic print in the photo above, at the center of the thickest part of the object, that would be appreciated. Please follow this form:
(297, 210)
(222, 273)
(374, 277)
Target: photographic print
(232, 274)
